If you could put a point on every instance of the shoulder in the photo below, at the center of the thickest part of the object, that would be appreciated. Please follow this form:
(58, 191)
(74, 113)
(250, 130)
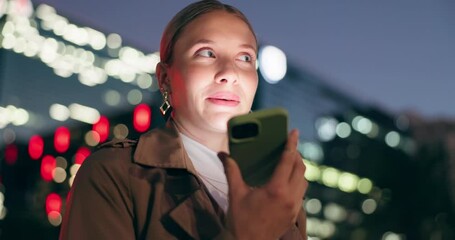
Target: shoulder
(101, 186)
(109, 159)
(115, 151)
(159, 135)
(163, 139)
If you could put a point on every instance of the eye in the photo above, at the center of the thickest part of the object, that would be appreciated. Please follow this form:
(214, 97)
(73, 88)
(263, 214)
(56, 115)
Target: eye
(246, 58)
(206, 53)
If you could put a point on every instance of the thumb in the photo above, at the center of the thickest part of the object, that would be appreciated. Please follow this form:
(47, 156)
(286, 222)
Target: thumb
(233, 175)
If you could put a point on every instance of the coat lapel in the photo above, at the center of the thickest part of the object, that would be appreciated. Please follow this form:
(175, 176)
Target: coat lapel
(193, 210)
(196, 216)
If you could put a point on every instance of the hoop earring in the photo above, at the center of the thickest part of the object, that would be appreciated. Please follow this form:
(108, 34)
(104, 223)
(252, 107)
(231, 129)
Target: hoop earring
(166, 105)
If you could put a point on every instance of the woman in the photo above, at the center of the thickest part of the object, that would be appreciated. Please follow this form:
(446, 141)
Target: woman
(170, 183)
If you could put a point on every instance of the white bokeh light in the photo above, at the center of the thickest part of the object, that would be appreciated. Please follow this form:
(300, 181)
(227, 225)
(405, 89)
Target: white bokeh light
(272, 64)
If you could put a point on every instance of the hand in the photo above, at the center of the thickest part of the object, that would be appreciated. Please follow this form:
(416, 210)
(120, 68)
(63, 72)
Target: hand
(269, 211)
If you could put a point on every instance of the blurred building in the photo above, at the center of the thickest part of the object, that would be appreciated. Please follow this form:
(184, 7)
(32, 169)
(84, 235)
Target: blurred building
(434, 165)
(65, 88)
(360, 182)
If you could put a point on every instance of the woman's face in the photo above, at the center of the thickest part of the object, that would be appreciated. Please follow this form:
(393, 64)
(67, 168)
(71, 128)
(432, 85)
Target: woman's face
(213, 75)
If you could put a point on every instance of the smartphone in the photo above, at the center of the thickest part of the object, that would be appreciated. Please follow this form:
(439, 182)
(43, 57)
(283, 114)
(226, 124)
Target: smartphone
(256, 142)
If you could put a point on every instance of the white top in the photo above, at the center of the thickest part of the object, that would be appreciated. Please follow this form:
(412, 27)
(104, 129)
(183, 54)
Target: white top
(209, 168)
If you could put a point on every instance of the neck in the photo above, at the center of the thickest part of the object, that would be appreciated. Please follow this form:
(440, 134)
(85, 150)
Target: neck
(215, 141)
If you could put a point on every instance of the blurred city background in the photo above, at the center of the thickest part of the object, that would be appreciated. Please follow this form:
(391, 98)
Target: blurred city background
(378, 139)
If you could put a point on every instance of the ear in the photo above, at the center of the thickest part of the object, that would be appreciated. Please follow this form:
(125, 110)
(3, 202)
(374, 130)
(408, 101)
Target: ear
(162, 76)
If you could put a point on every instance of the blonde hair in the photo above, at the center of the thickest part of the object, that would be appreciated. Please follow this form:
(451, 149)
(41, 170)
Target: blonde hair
(185, 16)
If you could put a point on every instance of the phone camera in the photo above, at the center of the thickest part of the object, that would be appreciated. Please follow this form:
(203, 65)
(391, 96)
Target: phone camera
(247, 130)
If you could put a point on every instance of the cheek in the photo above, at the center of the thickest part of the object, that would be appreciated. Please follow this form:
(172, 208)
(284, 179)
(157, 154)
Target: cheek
(188, 85)
(179, 86)
(182, 79)
(197, 78)
(252, 83)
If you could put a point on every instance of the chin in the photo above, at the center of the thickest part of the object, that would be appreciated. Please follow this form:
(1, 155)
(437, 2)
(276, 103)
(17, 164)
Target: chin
(219, 121)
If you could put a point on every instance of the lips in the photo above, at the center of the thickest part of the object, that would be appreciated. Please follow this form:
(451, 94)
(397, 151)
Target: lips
(224, 98)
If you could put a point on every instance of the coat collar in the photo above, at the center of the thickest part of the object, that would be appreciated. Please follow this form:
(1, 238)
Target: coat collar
(163, 147)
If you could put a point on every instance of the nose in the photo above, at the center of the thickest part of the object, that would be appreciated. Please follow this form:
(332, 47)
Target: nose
(227, 72)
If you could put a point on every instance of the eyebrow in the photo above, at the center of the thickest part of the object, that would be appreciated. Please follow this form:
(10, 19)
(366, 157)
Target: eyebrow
(206, 41)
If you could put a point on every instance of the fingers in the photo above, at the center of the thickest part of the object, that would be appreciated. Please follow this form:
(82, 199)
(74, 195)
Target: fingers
(236, 185)
(293, 140)
(297, 177)
(300, 188)
(285, 166)
(297, 181)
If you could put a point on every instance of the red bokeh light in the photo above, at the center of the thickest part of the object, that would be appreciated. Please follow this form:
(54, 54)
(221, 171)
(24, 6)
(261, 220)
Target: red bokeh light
(53, 203)
(81, 154)
(62, 139)
(35, 147)
(102, 128)
(11, 154)
(142, 117)
(48, 164)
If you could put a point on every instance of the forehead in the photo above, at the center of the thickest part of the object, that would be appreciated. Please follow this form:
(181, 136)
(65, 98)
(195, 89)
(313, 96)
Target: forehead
(218, 25)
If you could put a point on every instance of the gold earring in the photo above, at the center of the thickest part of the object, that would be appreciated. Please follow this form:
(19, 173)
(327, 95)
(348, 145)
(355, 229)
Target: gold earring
(166, 105)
